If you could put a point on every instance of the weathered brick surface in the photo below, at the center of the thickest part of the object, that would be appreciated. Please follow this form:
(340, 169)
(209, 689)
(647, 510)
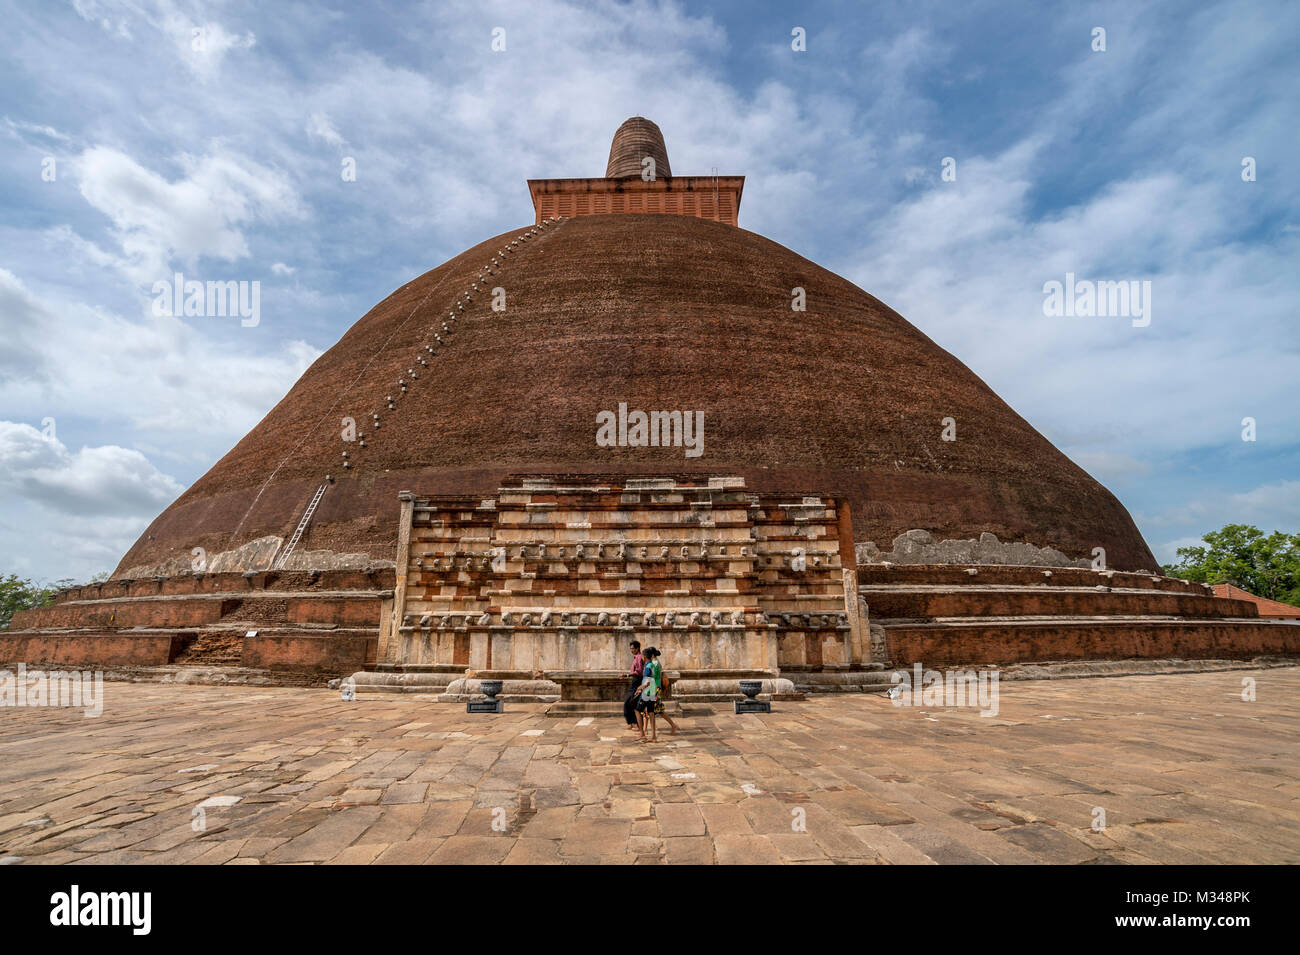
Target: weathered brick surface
(340, 611)
(1018, 576)
(121, 614)
(1050, 601)
(93, 625)
(91, 648)
(325, 653)
(663, 312)
(1022, 642)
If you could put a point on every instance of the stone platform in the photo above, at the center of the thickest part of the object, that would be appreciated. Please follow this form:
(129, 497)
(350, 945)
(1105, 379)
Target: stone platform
(310, 625)
(952, 615)
(554, 576)
(1185, 771)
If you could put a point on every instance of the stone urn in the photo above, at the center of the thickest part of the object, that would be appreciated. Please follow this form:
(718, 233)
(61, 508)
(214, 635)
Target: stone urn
(751, 688)
(490, 688)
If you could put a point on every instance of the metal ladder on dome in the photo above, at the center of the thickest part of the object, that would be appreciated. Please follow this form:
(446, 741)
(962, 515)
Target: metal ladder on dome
(283, 557)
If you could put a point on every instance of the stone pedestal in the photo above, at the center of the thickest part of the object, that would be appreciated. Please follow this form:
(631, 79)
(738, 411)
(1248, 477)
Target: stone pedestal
(490, 704)
(751, 703)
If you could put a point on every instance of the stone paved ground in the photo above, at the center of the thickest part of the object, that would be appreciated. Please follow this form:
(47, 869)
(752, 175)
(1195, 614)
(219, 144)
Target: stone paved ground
(1185, 771)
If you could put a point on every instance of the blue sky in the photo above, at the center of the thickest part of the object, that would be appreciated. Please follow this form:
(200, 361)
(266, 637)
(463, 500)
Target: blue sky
(223, 162)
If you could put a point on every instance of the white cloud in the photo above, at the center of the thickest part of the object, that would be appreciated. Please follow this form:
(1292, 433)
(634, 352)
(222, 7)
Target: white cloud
(1277, 504)
(1109, 466)
(320, 127)
(21, 129)
(966, 261)
(158, 376)
(1167, 553)
(157, 221)
(24, 320)
(105, 481)
(107, 15)
(1271, 507)
(201, 44)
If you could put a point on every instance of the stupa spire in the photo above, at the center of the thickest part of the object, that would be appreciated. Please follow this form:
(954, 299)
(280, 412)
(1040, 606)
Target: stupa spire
(634, 141)
(639, 181)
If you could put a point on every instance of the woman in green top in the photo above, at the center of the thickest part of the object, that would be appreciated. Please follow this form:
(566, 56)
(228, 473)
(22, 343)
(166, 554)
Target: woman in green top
(651, 703)
(659, 682)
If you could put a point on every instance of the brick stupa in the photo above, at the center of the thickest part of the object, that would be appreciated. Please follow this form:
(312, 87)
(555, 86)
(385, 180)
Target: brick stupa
(634, 293)
(644, 298)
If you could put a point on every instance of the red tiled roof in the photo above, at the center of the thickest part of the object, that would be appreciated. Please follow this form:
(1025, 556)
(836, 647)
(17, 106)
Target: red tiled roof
(1267, 608)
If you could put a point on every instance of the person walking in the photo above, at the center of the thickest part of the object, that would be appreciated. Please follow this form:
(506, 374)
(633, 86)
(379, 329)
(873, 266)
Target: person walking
(635, 673)
(661, 707)
(647, 697)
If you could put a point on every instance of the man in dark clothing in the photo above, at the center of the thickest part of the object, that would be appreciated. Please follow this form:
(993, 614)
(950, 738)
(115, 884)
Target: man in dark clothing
(636, 674)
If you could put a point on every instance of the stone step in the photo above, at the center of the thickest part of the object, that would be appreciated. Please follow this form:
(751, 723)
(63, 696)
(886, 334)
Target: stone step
(328, 651)
(890, 604)
(1000, 641)
(198, 610)
(377, 582)
(1000, 574)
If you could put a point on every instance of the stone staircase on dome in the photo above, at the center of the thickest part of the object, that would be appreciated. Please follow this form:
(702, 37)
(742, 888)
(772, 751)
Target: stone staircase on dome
(954, 615)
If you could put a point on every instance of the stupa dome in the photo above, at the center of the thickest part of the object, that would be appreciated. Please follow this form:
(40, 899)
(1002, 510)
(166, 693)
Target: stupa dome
(502, 360)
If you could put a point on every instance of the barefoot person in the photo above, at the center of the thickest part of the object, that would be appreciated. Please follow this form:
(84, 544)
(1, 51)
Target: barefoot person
(635, 673)
(647, 697)
(662, 683)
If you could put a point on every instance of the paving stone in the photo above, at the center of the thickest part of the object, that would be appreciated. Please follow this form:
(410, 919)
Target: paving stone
(220, 854)
(325, 840)
(860, 809)
(723, 819)
(473, 850)
(359, 855)
(746, 850)
(559, 796)
(412, 852)
(597, 837)
(534, 852)
(630, 808)
(797, 846)
(361, 797)
(395, 823)
(688, 850)
(592, 787)
(400, 793)
(679, 819)
(889, 846)
(551, 823)
(442, 819)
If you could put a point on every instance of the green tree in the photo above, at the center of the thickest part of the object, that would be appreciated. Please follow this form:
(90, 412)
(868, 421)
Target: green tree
(1268, 565)
(18, 594)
